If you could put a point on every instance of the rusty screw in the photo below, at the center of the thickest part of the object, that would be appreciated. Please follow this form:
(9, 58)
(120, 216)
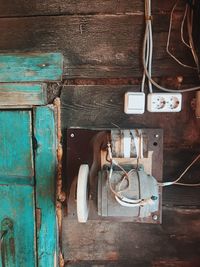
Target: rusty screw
(155, 217)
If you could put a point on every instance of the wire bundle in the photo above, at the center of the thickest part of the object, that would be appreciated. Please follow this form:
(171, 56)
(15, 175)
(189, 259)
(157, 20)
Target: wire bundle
(147, 53)
(148, 45)
(122, 200)
(177, 181)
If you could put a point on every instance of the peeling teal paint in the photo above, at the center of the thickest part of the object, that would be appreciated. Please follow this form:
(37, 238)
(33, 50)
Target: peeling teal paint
(27, 170)
(45, 167)
(31, 67)
(18, 243)
(16, 152)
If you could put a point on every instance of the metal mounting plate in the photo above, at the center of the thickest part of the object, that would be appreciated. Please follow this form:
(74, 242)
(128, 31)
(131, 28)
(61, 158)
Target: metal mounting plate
(84, 147)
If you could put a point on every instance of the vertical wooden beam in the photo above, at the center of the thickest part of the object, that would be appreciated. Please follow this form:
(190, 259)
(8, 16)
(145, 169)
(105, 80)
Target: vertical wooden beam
(45, 168)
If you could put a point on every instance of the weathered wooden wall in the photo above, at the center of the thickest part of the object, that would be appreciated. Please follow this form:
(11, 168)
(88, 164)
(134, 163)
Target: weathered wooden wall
(102, 45)
(98, 39)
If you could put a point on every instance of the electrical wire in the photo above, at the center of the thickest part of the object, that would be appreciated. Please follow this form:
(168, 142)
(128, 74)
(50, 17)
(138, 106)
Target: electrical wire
(159, 86)
(169, 35)
(176, 182)
(150, 41)
(148, 36)
(182, 27)
(190, 29)
(118, 194)
(148, 45)
(192, 185)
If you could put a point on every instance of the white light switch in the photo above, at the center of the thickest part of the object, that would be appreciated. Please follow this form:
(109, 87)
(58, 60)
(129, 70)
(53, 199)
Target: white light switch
(134, 103)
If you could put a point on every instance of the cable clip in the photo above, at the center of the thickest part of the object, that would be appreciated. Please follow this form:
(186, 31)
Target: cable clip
(149, 18)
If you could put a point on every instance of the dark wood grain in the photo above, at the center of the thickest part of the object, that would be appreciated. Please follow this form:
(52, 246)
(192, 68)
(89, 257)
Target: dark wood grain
(59, 7)
(133, 263)
(176, 240)
(102, 106)
(97, 46)
(175, 162)
(103, 39)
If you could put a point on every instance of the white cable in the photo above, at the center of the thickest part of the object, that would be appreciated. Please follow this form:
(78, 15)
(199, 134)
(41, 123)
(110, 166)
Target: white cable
(168, 39)
(182, 27)
(191, 185)
(148, 46)
(144, 60)
(119, 197)
(176, 182)
(161, 87)
(125, 203)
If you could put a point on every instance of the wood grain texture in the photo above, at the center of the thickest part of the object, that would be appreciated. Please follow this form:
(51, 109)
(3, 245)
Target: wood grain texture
(22, 94)
(99, 46)
(102, 106)
(175, 162)
(177, 239)
(31, 67)
(45, 167)
(59, 7)
(127, 263)
(131, 263)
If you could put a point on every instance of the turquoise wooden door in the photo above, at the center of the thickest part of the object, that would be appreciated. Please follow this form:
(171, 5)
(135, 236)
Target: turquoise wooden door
(17, 195)
(28, 162)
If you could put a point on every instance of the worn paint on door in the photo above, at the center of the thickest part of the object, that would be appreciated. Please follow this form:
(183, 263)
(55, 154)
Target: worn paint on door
(17, 206)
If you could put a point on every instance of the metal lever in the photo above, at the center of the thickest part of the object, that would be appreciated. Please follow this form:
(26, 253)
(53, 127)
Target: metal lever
(3, 233)
(7, 247)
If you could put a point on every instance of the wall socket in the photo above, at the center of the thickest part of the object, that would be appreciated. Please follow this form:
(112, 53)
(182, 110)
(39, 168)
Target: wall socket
(164, 102)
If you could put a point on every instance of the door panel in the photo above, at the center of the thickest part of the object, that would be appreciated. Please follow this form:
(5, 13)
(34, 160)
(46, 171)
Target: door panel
(20, 194)
(16, 152)
(17, 216)
(45, 166)
(17, 203)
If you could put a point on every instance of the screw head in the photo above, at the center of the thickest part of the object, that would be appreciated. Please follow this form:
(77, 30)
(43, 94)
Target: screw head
(72, 135)
(155, 217)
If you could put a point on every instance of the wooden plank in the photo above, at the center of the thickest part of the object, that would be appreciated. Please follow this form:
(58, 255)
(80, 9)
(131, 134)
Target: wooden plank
(18, 206)
(195, 30)
(175, 162)
(128, 263)
(16, 155)
(45, 166)
(58, 7)
(96, 46)
(31, 67)
(141, 244)
(22, 94)
(102, 106)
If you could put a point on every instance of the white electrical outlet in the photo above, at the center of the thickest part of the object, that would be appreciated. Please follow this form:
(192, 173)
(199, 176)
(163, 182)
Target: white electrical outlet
(164, 102)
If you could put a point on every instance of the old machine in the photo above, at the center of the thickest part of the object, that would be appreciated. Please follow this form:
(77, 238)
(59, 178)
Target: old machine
(121, 180)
